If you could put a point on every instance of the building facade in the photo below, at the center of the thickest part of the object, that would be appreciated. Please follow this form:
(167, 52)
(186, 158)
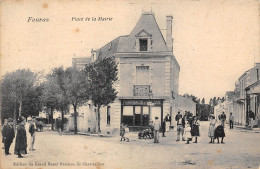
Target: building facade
(148, 78)
(244, 98)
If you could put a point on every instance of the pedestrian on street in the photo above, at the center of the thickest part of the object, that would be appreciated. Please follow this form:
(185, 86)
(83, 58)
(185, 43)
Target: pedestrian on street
(252, 118)
(231, 121)
(167, 120)
(5, 122)
(223, 119)
(151, 129)
(180, 126)
(126, 133)
(219, 132)
(122, 132)
(212, 129)
(59, 125)
(195, 129)
(8, 135)
(188, 133)
(157, 127)
(21, 140)
(32, 130)
(163, 128)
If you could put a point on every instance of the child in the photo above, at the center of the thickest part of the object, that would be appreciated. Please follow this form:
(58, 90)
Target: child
(212, 129)
(126, 133)
(122, 132)
(188, 133)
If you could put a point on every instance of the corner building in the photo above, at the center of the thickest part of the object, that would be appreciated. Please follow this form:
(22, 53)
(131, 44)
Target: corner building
(148, 76)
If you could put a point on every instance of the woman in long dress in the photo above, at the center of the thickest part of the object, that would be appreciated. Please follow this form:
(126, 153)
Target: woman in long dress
(21, 140)
(195, 129)
(219, 132)
(212, 129)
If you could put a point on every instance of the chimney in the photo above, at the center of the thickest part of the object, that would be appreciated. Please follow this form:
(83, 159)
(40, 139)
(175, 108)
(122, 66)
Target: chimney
(169, 41)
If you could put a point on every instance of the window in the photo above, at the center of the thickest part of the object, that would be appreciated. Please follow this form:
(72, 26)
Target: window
(128, 115)
(142, 75)
(108, 115)
(143, 44)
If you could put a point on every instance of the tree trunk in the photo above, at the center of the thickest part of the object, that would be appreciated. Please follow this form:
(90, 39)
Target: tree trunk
(62, 119)
(14, 114)
(98, 118)
(75, 119)
(20, 107)
(52, 126)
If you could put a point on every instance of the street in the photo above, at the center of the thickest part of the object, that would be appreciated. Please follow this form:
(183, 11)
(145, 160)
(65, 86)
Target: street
(241, 150)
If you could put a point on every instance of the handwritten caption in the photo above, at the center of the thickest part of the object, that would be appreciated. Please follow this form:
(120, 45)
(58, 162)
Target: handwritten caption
(58, 164)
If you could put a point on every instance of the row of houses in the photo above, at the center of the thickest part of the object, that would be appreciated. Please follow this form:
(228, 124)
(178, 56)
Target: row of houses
(148, 84)
(245, 98)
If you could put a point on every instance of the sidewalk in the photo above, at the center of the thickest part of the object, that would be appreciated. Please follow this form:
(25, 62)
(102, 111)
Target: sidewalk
(247, 128)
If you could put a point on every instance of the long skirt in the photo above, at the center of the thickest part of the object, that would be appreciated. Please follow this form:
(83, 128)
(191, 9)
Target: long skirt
(195, 131)
(219, 131)
(211, 131)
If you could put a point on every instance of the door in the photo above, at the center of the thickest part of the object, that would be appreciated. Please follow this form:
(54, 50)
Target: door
(137, 116)
(145, 116)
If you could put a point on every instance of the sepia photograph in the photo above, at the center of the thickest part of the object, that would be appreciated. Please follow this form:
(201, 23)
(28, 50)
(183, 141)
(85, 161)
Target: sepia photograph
(130, 84)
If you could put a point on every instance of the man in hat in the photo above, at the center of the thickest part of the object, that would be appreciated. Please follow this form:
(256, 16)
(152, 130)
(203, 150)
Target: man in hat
(167, 120)
(180, 126)
(157, 126)
(32, 130)
(231, 121)
(8, 135)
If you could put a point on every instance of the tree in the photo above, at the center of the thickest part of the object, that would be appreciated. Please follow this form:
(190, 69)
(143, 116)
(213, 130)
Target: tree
(16, 85)
(73, 85)
(203, 101)
(32, 102)
(215, 102)
(49, 97)
(223, 99)
(102, 75)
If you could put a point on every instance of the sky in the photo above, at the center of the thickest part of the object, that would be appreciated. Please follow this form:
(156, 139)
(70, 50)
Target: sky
(215, 41)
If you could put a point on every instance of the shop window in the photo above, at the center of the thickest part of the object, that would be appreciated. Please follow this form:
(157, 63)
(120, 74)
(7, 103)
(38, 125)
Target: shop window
(143, 44)
(108, 114)
(128, 115)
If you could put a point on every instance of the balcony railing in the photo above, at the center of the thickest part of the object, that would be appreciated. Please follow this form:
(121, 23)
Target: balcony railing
(141, 90)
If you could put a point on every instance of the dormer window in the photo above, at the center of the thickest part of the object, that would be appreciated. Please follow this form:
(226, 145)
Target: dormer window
(143, 44)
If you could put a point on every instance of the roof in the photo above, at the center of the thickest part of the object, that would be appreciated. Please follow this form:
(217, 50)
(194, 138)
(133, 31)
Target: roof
(148, 24)
(111, 47)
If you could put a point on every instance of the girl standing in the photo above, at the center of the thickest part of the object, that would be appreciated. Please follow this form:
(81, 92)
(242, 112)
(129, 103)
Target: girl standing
(212, 129)
(188, 133)
(195, 129)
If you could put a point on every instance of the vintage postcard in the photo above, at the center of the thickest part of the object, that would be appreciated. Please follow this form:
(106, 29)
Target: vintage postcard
(130, 84)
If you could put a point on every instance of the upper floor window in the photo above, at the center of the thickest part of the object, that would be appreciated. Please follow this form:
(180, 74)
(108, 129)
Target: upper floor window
(143, 44)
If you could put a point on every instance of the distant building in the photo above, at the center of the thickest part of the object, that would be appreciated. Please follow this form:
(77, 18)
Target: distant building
(245, 97)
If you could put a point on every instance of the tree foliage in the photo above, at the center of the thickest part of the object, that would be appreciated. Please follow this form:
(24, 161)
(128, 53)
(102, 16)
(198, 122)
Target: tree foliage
(16, 89)
(102, 75)
(73, 86)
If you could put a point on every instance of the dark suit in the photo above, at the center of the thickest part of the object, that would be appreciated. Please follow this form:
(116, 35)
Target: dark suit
(8, 136)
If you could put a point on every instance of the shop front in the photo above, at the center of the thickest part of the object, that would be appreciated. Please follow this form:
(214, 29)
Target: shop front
(137, 113)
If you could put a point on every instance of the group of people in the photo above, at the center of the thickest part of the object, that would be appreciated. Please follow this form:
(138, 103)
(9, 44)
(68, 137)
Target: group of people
(188, 128)
(8, 134)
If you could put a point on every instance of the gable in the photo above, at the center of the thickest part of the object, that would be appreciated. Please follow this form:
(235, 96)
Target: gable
(146, 26)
